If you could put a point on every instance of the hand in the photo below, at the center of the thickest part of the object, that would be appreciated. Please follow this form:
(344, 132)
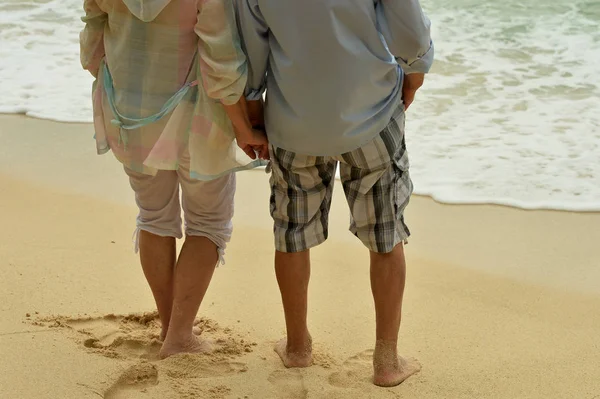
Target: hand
(262, 151)
(253, 142)
(412, 83)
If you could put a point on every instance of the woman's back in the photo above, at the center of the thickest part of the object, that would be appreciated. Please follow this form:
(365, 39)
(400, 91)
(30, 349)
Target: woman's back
(150, 49)
(154, 50)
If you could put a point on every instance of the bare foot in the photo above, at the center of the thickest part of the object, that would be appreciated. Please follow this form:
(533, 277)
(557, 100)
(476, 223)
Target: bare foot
(192, 344)
(163, 333)
(389, 368)
(301, 358)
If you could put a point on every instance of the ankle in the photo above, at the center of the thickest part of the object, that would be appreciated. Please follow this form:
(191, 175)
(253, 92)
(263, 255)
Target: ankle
(385, 354)
(179, 335)
(300, 345)
(163, 333)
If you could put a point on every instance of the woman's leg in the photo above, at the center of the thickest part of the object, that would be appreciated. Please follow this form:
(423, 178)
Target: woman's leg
(193, 273)
(208, 209)
(157, 255)
(159, 223)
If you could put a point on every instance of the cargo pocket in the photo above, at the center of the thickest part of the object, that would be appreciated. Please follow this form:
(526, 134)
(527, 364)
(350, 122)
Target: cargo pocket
(403, 189)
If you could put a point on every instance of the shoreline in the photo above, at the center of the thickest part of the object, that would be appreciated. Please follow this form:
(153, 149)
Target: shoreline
(442, 232)
(29, 123)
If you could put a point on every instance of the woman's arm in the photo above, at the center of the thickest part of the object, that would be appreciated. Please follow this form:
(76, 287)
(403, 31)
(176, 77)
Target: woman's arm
(248, 139)
(91, 38)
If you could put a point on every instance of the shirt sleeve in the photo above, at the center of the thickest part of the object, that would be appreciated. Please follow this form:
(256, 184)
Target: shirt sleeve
(406, 30)
(222, 63)
(255, 38)
(91, 38)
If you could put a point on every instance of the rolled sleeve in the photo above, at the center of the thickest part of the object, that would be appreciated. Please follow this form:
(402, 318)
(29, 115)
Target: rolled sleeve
(421, 65)
(255, 40)
(407, 32)
(222, 63)
(91, 38)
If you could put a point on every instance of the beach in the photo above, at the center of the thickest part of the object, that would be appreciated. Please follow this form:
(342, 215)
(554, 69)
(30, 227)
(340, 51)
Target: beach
(500, 302)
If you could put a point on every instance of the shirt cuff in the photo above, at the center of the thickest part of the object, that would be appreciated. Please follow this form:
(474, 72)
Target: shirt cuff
(255, 95)
(421, 65)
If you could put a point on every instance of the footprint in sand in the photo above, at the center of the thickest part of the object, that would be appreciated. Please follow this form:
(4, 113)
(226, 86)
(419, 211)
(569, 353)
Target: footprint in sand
(289, 384)
(187, 366)
(133, 336)
(135, 379)
(357, 370)
(136, 336)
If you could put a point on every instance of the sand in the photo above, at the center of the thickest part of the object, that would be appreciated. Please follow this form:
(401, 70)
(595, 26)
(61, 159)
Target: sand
(500, 303)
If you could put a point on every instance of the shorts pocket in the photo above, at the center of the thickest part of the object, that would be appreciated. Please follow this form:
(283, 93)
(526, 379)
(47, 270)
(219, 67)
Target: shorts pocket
(403, 186)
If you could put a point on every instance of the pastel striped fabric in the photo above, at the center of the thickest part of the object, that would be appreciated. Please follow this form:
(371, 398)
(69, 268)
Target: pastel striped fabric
(152, 53)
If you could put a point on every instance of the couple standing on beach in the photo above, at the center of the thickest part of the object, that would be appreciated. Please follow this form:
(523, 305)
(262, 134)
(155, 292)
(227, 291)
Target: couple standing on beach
(180, 84)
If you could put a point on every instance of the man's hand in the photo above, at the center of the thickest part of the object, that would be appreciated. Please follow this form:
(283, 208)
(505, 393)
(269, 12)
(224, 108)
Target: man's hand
(253, 142)
(412, 83)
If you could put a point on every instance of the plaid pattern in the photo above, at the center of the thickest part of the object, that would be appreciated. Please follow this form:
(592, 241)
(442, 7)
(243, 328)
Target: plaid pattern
(149, 62)
(376, 182)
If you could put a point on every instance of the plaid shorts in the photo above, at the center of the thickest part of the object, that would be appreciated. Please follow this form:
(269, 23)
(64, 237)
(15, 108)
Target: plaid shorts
(376, 182)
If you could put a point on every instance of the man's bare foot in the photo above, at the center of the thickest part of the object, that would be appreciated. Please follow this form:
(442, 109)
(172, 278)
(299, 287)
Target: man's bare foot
(192, 344)
(389, 368)
(297, 358)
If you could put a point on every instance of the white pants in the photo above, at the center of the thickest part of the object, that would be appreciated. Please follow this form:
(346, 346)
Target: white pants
(207, 205)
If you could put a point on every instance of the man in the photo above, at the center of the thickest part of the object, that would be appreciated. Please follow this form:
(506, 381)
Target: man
(339, 76)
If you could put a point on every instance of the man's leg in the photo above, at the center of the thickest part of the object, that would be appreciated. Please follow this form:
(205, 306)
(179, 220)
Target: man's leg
(388, 276)
(378, 187)
(193, 272)
(158, 256)
(301, 191)
(293, 274)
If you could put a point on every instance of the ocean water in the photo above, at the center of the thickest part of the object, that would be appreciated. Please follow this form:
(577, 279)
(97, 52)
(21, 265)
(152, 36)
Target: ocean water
(509, 115)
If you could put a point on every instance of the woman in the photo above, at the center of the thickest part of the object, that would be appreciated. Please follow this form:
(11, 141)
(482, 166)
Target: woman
(168, 103)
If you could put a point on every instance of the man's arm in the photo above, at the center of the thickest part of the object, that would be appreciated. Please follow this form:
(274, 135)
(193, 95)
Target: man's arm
(255, 40)
(406, 30)
(223, 67)
(91, 38)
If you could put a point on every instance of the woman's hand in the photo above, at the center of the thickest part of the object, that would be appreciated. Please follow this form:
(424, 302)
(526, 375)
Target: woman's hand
(250, 140)
(253, 142)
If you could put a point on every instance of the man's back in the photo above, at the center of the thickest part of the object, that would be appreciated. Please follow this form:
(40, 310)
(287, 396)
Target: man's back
(332, 83)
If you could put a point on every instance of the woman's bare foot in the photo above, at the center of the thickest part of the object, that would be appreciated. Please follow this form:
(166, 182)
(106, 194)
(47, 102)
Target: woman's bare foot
(389, 368)
(192, 344)
(163, 333)
(294, 357)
